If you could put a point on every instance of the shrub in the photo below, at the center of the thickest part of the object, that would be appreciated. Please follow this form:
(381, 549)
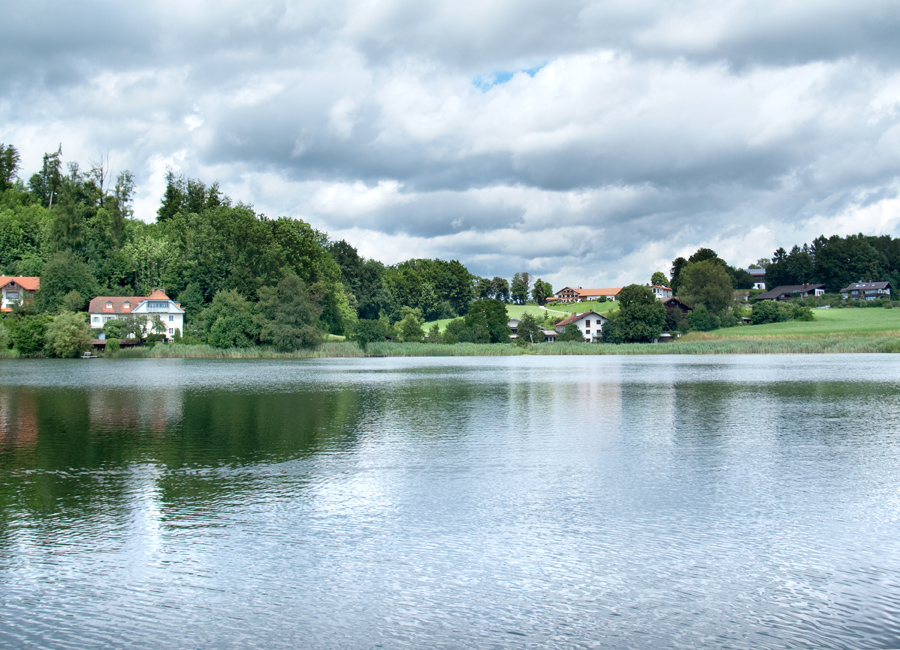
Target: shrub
(68, 335)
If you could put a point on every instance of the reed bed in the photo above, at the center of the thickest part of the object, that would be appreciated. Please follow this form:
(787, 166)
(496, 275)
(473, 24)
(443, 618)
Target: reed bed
(333, 349)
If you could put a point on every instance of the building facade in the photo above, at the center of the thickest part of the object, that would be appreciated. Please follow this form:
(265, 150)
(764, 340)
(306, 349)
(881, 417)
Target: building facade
(145, 309)
(589, 323)
(16, 290)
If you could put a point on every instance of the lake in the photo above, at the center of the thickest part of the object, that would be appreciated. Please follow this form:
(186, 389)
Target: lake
(503, 502)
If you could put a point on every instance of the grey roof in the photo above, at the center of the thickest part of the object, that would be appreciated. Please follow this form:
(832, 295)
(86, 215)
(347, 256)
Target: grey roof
(862, 286)
(777, 292)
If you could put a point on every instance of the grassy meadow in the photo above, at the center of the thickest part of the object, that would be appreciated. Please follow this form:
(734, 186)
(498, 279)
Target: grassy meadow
(517, 311)
(827, 323)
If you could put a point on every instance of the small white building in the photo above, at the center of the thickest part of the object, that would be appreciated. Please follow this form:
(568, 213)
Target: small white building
(589, 323)
(661, 293)
(144, 309)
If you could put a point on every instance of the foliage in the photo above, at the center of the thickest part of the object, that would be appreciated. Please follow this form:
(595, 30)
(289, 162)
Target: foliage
(368, 331)
(434, 335)
(528, 331)
(288, 316)
(489, 320)
(706, 283)
(700, 319)
(5, 338)
(571, 333)
(410, 327)
(519, 288)
(641, 316)
(112, 345)
(228, 321)
(659, 279)
(68, 335)
(64, 273)
(541, 291)
(27, 332)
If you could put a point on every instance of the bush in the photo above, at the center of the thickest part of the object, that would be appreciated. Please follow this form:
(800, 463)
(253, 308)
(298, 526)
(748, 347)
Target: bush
(112, 346)
(4, 337)
(68, 335)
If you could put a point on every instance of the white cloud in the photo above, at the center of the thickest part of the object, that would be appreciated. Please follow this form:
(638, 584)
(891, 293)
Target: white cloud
(650, 129)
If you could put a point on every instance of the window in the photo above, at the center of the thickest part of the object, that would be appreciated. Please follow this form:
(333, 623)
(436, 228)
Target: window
(171, 331)
(171, 320)
(96, 319)
(109, 305)
(126, 305)
(587, 323)
(587, 331)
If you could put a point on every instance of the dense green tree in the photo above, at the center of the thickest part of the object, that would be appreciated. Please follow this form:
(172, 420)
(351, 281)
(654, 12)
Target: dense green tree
(46, 183)
(700, 319)
(5, 338)
(519, 288)
(288, 316)
(27, 333)
(706, 283)
(541, 291)
(434, 334)
(641, 316)
(410, 328)
(64, 273)
(228, 321)
(68, 335)
(9, 165)
(528, 331)
(489, 317)
(500, 289)
(368, 331)
(571, 333)
(457, 331)
(659, 279)
(483, 289)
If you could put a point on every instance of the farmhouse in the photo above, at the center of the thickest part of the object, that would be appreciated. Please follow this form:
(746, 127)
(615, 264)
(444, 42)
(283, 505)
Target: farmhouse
(791, 291)
(590, 323)
(145, 309)
(577, 294)
(15, 290)
(867, 290)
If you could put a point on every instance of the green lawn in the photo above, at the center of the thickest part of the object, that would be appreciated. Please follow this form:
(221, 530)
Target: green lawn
(828, 322)
(517, 311)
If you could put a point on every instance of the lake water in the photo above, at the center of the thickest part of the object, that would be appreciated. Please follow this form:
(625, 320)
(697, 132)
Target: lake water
(524, 502)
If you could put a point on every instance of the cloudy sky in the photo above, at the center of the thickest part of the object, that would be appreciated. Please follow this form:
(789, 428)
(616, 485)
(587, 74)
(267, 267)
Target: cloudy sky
(588, 143)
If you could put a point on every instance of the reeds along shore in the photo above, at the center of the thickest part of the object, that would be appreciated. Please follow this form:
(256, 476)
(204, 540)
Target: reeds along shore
(349, 349)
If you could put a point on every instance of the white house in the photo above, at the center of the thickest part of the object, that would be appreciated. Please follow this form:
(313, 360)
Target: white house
(16, 290)
(590, 323)
(144, 309)
(661, 293)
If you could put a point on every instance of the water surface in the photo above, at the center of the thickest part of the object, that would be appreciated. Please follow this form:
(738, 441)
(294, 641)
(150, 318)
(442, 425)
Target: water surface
(614, 502)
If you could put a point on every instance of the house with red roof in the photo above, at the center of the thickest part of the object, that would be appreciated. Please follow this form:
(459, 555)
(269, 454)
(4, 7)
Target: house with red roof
(589, 323)
(577, 294)
(145, 309)
(15, 290)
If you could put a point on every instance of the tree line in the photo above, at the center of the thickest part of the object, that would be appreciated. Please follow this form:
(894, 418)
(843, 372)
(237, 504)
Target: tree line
(229, 266)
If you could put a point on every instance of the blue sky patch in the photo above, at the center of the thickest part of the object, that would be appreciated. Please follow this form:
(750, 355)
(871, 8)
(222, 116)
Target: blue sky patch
(488, 81)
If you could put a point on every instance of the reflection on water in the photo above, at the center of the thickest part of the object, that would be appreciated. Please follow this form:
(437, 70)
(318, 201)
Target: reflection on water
(525, 502)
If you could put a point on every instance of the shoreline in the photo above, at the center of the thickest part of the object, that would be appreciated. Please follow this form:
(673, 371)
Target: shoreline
(348, 349)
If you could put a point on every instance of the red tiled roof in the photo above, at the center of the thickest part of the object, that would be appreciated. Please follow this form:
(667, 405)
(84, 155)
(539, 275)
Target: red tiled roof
(27, 283)
(159, 294)
(116, 304)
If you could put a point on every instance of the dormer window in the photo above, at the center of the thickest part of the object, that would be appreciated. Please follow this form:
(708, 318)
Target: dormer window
(109, 305)
(126, 305)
